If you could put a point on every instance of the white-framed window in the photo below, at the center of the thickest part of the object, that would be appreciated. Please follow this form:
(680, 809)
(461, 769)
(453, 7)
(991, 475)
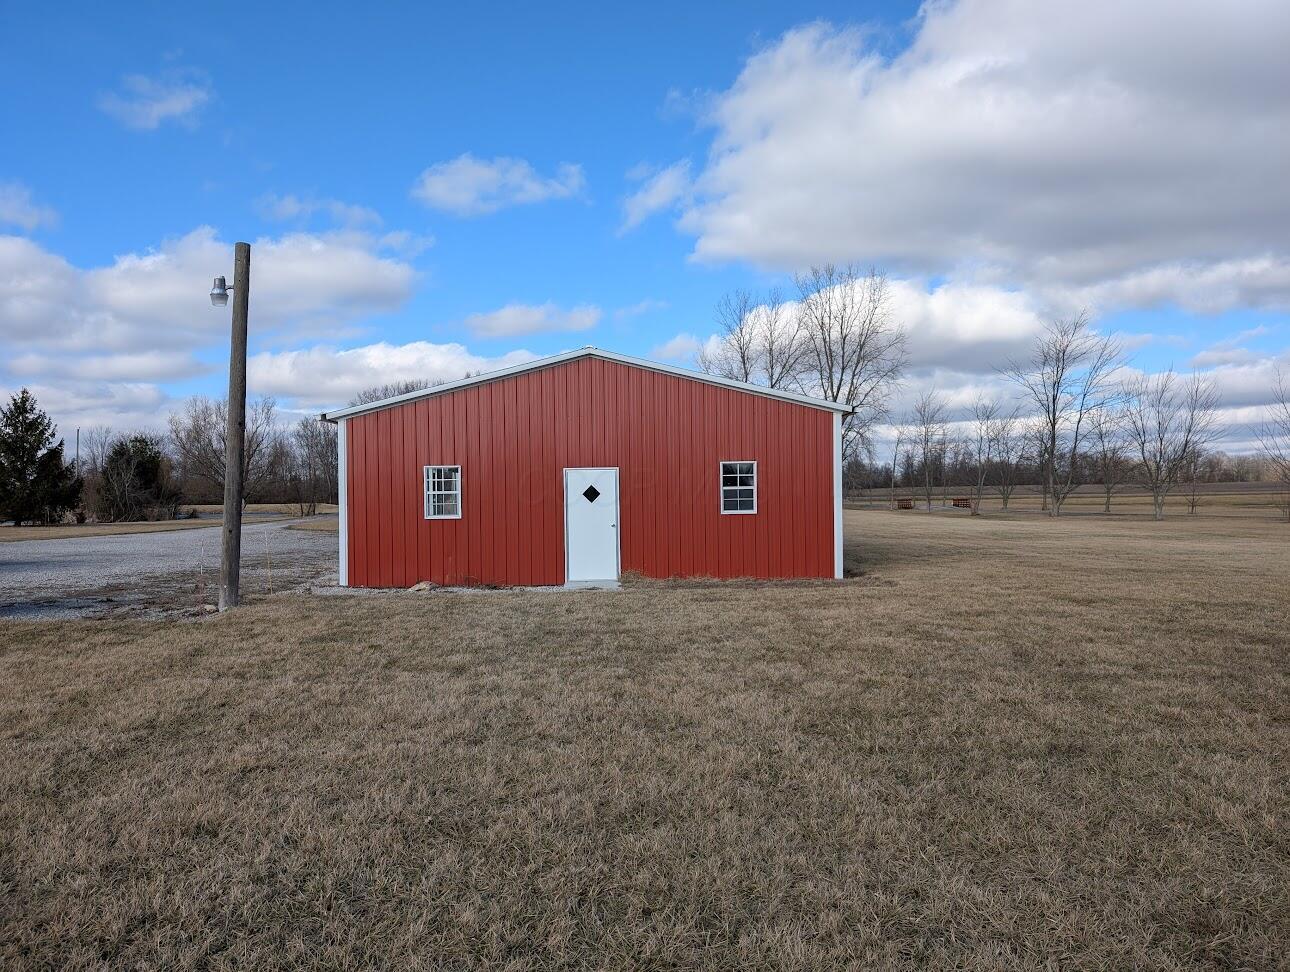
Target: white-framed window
(443, 492)
(739, 487)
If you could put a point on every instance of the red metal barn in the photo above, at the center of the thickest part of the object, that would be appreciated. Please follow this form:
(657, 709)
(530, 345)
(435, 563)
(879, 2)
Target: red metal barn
(575, 468)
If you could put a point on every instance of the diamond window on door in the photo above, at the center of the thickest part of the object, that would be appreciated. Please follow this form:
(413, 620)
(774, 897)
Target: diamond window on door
(591, 493)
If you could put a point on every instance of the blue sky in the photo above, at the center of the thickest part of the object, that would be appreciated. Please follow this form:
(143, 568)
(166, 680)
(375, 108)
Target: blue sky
(434, 189)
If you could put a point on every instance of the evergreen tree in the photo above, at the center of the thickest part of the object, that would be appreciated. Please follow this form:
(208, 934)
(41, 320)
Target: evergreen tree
(36, 483)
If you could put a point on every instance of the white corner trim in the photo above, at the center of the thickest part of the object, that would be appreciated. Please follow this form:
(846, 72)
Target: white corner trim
(837, 495)
(342, 499)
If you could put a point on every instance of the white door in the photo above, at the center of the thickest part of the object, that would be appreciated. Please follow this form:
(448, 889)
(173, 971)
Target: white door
(590, 525)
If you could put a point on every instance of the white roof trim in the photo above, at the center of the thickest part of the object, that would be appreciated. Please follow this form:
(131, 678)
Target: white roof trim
(587, 352)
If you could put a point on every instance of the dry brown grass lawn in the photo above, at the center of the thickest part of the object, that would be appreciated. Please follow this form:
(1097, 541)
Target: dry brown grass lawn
(286, 509)
(318, 524)
(65, 531)
(1010, 744)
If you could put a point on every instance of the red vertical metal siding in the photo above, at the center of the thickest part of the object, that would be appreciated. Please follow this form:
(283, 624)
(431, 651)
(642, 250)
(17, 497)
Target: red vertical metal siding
(513, 439)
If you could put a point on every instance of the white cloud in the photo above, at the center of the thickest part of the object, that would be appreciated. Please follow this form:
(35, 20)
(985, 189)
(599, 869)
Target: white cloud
(325, 377)
(1257, 331)
(292, 208)
(969, 327)
(1194, 286)
(84, 404)
(1223, 356)
(143, 318)
(17, 208)
(300, 279)
(690, 105)
(131, 366)
(681, 349)
(1230, 352)
(38, 290)
(646, 306)
(660, 191)
(405, 243)
(467, 186)
(1133, 148)
(516, 319)
(1248, 383)
(144, 103)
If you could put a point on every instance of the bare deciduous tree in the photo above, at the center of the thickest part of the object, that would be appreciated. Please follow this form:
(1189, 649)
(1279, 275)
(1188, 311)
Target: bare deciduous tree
(760, 342)
(1168, 422)
(955, 462)
(930, 433)
(313, 469)
(1109, 451)
(783, 346)
(404, 386)
(198, 434)
(1036, 451)
(392, 389)
(1069, 376)
(902, 435)
(854, 352)
(96, 443)
(1274, 438)
(734, 355)
(1009, 455)
(1200, 464)
(981, 443)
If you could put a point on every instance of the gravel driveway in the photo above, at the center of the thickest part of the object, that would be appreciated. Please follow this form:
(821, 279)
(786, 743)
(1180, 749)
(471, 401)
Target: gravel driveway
(155, 573)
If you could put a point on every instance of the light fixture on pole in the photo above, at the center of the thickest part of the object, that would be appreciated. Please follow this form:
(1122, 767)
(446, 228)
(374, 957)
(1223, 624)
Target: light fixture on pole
(235, 433)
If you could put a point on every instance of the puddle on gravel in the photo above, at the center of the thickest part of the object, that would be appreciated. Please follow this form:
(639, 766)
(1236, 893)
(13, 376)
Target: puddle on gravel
(72, 608)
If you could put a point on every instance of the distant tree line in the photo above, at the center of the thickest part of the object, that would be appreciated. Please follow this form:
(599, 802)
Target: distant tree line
(1081, 419)
(294, 465)
(954, 468)
(132, 475)
(128, 475)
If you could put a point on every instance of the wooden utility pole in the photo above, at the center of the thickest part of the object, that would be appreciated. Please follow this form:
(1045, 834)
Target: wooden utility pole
(235, 434)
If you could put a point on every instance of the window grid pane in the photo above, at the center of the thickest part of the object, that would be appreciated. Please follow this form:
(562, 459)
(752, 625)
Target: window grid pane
(442, 491)
(738, 487)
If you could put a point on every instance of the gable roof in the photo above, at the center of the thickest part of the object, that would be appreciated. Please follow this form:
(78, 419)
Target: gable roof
(587, 352)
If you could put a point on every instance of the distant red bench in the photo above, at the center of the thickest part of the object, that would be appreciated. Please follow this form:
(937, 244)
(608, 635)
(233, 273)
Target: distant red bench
(962, 502)
(904, 503)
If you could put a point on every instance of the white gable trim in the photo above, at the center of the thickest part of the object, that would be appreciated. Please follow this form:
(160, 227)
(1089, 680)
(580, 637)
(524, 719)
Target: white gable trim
(588, 352)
